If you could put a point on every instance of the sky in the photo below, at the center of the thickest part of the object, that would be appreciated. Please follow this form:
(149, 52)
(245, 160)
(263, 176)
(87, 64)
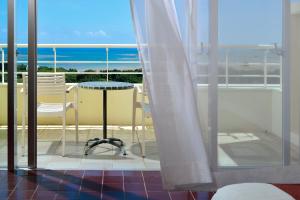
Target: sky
(109, 21)
(75, 21)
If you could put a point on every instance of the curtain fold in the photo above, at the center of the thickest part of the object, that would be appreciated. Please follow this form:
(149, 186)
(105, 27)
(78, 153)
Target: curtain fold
(169, 77)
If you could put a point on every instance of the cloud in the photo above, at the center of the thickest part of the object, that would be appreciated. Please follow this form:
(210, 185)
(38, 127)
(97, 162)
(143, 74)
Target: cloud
(99, 33)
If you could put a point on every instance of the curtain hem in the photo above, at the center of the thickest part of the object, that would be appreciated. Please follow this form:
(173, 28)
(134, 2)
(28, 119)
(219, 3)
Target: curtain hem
(197, 175)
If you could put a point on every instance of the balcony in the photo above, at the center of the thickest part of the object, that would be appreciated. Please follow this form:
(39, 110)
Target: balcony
(243, 125)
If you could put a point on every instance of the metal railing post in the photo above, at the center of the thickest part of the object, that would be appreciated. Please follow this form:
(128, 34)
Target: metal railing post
(266, 68)
(2, 64)
(107, 63)
(280, 71)
(226, 68)
(55, 61)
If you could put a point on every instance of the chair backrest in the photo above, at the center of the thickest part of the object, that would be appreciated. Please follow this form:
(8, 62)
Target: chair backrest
(48, 84)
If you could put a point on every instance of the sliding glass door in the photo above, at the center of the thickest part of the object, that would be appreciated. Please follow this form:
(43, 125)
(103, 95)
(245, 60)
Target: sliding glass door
(16, 60)
(21, 89)
(250, 83)
(3, 87)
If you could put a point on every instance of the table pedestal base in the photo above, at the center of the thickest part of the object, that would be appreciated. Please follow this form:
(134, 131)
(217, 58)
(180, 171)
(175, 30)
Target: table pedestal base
(96, 141)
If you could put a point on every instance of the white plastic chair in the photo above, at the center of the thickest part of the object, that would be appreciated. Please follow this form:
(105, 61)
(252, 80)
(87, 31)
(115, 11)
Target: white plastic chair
(146, 113)
(251, 191)
(51, 84)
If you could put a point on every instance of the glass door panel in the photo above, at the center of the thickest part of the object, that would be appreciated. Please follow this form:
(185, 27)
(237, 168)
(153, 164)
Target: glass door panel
(21, 90)
(294, 50)
(249, 87)
(3, 84)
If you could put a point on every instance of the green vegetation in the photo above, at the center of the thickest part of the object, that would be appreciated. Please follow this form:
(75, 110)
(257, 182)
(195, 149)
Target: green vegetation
(77, 78)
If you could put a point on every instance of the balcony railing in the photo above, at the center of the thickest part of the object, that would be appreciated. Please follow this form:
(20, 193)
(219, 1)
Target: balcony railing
(225, 65)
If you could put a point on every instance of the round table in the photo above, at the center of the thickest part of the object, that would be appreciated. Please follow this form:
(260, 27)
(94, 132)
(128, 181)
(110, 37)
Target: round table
(104, 86)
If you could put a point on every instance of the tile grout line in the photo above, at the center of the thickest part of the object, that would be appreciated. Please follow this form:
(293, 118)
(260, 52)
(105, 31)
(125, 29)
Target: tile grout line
(35, 191)
(82, 177)
(102, 182)
(123, 182)
(13, 189)
(192, 195)
(170, 195)
(144, 182)
(60, 182)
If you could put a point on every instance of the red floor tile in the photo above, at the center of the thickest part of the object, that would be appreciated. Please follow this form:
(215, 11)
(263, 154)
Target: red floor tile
(48, 187)
(44, 195)
(158, 196)
(71, 179)
(92, 180)
(90, 195)
(26, 185)
(67, 196)
(93, 173)
(153, 180)
(51, 179)
(113, 196)
(113, 173)
(133, 179)
(53, 173)
(202, 195)
(7, 186)
(21, 194)
(113, 179)
(182, 195)
(151, 173)
(131, 187)
(90, 185)
(136, 195)
(4, 194)
(117, 187)
(133, 173)
(69, 187)
(292, 189)
(75, 173)
(9, 183)
(154, 187)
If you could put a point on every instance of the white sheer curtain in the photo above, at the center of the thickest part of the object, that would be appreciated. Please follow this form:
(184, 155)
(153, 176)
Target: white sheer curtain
(165, 46)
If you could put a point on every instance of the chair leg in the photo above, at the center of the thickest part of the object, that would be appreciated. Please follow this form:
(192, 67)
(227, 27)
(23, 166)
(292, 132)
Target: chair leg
(76, 124)
(23, 130)
(144, 137)
(133, 128)
(64, 135)
(76, 97)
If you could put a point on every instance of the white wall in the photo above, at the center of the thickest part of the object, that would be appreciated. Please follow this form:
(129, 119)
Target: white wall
(245, 109)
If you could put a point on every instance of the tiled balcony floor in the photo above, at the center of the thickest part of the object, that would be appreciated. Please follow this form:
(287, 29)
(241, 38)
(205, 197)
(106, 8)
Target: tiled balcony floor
(235, 149)
(103, 157)
(89, 185)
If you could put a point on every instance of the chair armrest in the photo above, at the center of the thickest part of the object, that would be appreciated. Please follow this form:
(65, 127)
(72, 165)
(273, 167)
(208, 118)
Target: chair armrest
(69, 89)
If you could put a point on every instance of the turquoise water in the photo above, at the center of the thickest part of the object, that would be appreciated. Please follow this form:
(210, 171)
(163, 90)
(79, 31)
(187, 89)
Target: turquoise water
(127, 59)
(123, 58)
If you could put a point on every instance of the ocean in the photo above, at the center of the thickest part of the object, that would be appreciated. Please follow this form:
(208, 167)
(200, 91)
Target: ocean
(244, 65)
(119, 58)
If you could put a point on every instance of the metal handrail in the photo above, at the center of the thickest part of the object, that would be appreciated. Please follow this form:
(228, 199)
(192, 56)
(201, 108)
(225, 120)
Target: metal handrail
(106, 62)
